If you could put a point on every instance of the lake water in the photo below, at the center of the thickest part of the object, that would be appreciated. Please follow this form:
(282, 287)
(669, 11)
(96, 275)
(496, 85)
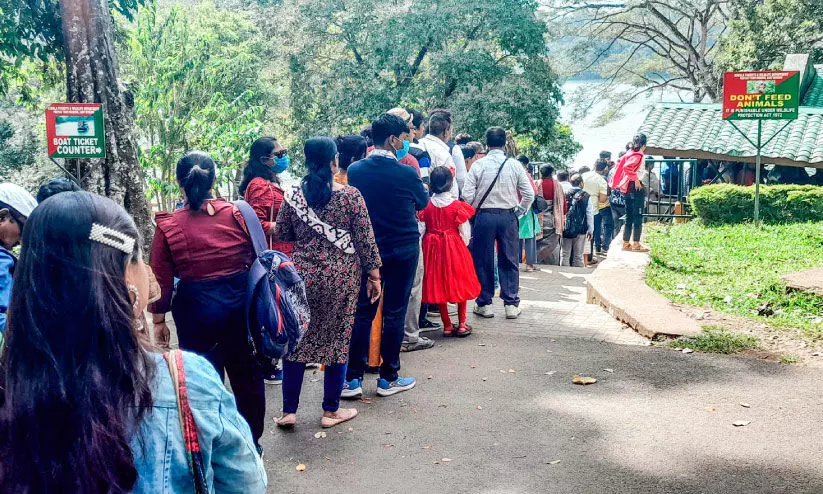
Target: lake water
(613, 136)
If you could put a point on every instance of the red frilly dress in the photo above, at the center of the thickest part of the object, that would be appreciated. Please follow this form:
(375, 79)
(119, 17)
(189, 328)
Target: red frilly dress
(449, 269)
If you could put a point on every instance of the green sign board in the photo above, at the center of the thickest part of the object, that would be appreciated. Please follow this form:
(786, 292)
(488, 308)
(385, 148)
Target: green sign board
(75, 130)
(761, 95)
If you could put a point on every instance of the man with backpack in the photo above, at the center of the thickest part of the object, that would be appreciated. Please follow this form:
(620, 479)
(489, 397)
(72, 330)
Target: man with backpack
(579, 224)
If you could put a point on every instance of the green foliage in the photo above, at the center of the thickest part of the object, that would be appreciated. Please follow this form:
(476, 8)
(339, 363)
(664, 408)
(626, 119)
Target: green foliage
(485, 60)
(790, 359)
(738, 269)
(717, 340)
(195, 73)
(725, 203)
(32, 32)
(761, 33)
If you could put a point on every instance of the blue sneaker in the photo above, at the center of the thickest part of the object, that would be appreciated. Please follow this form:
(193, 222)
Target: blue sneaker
(386, 388)
(352, 389)
(275, 377)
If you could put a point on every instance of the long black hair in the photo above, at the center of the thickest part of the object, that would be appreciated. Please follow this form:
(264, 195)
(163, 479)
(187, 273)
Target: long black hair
(196, 172)
(75, 379)
(317, 184)
(255, 168)
(351, 148)
(638, 142)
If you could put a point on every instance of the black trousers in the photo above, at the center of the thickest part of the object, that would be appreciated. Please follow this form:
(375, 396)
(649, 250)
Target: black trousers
(397, 273)
(211, 320)
(635, 201)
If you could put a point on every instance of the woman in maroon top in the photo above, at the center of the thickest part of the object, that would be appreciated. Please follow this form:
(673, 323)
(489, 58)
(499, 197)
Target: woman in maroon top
(261, 187)
(207, 246)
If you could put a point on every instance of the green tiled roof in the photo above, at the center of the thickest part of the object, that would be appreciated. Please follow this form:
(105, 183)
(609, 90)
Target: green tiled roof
(814, 95)
(698, 131)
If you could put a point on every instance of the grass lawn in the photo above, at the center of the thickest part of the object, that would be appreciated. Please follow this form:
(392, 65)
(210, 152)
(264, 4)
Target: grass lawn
(737, 269)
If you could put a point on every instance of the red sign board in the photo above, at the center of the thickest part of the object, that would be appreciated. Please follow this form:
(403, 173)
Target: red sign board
(75, 130)
(761, 95)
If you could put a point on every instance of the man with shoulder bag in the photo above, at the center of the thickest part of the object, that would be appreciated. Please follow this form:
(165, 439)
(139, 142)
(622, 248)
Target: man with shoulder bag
(579, 224)
(492, 187)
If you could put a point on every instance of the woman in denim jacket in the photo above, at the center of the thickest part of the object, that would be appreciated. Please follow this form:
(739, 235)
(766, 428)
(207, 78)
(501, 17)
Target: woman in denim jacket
(85, 406)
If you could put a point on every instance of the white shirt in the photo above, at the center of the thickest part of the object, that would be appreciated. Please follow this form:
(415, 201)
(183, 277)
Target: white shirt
(513, 179)
(566, 186)
(459, 167)
(441, 156)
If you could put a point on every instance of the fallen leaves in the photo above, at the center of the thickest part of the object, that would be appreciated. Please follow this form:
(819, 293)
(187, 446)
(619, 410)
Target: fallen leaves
(318, 435)
(583, 380)
(741, 423)
(301, 467)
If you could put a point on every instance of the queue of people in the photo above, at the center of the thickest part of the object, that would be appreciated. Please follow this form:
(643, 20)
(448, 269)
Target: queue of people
(396, 221)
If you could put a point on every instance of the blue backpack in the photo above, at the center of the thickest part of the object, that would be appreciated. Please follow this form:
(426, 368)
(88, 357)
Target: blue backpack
(277, 310)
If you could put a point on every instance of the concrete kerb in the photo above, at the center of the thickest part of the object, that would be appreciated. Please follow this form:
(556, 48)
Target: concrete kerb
(618, 285)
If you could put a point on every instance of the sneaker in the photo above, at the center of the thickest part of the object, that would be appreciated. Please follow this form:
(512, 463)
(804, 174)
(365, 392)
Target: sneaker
(275, 377)
(386, 388)
(483, 311)
(513, 311)
(352, 389)
(422, 343)
(430, 326)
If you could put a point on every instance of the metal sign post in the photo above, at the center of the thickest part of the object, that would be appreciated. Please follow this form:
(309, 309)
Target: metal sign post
(760, 96)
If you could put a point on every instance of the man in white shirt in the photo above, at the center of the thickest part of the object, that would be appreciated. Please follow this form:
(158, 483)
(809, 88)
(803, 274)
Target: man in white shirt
(496, 222)
(435, 142)
(563, 178)
(573, 246)
(594, 183)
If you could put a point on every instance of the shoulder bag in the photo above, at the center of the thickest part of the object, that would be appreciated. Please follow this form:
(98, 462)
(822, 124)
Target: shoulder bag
(174, 359)
(488, 191)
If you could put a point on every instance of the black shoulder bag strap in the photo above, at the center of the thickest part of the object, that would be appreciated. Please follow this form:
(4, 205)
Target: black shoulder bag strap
(488, 191)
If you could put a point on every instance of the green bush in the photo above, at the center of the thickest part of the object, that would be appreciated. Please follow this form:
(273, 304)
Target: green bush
(725, 203)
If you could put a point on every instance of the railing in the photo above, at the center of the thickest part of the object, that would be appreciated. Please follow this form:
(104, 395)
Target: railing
(668, 183)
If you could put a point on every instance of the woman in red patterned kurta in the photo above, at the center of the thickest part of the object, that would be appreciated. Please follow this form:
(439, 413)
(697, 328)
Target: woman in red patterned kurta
(261, 187)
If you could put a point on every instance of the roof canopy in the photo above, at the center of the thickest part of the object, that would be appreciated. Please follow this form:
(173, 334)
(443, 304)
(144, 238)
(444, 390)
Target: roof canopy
(699, 131)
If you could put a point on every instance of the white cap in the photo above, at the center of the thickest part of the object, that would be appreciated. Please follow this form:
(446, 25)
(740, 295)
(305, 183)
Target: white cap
(18, 198)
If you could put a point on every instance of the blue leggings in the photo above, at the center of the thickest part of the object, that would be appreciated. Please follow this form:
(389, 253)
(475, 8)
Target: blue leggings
(335, 376)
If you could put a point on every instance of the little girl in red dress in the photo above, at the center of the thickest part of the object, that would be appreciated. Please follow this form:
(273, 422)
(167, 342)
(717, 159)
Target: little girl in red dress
(450, 274)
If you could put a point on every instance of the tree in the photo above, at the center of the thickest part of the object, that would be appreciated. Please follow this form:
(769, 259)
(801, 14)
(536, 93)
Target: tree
(761, 34)
(486, 60)
(197, 85)
(646, 45)
(79, 33)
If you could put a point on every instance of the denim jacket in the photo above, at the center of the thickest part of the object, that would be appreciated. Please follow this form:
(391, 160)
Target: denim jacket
(229, 455)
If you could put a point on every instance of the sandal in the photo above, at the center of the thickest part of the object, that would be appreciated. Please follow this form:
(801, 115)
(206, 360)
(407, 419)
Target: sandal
(463, 330)
(287, 420)
(638, 247)
(627, 246)
(341, 416)
(448, 331)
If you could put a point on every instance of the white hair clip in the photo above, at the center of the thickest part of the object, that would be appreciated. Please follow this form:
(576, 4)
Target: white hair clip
(112, 238)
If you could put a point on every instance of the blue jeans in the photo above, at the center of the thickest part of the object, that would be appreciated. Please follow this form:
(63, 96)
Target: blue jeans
(635, 201)
(398, 277)
(603, 229)
(293, 382)
(500, 226)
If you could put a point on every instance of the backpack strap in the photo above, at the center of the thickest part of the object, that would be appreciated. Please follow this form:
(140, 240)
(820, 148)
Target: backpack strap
(255, 229)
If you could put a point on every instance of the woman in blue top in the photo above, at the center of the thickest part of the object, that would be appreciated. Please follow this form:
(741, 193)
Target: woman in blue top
(86, 407)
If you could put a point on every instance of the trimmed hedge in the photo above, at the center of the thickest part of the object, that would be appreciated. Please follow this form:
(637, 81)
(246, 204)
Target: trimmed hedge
(725, 203)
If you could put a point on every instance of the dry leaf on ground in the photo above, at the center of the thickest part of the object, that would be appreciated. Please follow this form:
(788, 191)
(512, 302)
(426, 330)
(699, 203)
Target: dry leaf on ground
(741, 423)
(583, 380)
(318, 435)
(301, 468)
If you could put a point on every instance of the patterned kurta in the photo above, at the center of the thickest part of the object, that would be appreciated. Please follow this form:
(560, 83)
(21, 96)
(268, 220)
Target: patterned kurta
(332, 277)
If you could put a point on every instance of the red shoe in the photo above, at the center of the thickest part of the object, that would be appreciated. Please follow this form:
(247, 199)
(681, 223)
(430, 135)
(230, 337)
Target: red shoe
(463, 330)
(448, 331)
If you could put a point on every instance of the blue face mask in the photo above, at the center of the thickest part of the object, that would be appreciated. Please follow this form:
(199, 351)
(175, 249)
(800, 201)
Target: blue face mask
(401, 153)
(281, 164)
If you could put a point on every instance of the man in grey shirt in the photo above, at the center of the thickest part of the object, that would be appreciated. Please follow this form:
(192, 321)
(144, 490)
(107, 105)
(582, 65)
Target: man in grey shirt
(496, 222)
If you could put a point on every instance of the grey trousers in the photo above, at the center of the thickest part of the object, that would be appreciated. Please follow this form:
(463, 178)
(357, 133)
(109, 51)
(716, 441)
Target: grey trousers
(415, 300)
(572, 249)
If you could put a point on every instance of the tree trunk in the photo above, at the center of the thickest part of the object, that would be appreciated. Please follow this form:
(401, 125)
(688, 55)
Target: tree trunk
(92, 77)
